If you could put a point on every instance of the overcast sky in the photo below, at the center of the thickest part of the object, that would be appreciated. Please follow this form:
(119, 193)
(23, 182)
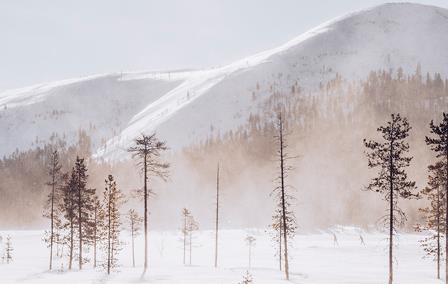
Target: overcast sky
(47, 40)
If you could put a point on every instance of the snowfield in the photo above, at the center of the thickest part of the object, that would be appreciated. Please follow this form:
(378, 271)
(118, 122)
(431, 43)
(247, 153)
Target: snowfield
(315, 259)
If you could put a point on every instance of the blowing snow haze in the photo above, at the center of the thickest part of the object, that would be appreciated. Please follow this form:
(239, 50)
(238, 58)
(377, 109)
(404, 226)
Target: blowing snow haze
(302, 161)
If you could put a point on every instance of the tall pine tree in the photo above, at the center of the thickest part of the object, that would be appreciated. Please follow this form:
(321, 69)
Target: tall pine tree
(439, 144)
(392, 181)
(147, 149)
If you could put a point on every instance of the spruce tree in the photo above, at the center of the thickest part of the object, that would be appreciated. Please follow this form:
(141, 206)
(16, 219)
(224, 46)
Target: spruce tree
(84, 203)
(439, 144)
(147, 149)
(53, 200)
(69, 208)
(113, 199)
(389, 156)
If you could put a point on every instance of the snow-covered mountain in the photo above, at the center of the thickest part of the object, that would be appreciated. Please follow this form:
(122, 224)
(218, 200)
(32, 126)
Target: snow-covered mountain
(186, 106)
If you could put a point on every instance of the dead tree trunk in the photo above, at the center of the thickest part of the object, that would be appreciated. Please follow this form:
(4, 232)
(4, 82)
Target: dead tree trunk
(145, 170)
(217, 217)
(283, 197)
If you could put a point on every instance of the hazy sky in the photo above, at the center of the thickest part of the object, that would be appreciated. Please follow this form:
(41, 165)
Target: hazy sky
(46, 40)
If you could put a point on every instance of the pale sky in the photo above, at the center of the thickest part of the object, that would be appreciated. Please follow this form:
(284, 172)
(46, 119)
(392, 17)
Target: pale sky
(47, 40)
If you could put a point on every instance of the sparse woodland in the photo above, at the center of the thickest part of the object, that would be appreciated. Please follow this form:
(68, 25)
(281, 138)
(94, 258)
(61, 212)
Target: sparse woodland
(397, 123)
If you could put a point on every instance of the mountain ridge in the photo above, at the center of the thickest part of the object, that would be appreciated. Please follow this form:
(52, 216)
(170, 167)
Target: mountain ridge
(184, 106)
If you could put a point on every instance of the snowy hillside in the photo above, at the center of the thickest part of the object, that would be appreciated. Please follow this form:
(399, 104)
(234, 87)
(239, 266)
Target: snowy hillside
(186, 106)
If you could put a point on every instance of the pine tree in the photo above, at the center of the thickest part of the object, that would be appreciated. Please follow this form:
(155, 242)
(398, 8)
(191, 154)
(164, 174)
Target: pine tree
(53, 201)
(135, 222)
(185, 216)
(8, 249)
(113, 199)
(69, 209)
(284, 218)
(84, 204)
(250, 241)
(439, 144)
(148, 149)
(392, 180)
(434, 213)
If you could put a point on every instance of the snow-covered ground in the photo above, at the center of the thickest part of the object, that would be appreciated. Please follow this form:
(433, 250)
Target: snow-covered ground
(315, 258)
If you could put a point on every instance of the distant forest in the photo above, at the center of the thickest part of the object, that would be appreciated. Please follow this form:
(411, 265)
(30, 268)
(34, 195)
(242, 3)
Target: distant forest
(326, 128)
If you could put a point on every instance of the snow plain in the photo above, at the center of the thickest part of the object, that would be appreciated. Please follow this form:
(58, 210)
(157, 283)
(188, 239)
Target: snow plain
(315, 259)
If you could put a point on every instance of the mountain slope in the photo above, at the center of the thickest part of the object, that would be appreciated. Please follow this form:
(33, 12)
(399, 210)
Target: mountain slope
(187, 106)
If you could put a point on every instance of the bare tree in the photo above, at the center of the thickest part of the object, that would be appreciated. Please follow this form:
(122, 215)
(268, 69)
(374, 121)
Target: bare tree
(284, 219)
(148, 149)
(217, 217)
(439, 144)
(135, 222)
(392, 180)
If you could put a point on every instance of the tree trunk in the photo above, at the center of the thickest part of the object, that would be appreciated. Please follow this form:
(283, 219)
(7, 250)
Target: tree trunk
(391, 212)
(280, 243)
(80, 225)
(52, 218)
(94, 236)
(190, 246)
(285, 228)
(438, 232)
(446, 214)
(132, 235)
(250, 255)
(70, 259)
(217, 217)
(185, 237)
(108, 233)
(145, 169)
